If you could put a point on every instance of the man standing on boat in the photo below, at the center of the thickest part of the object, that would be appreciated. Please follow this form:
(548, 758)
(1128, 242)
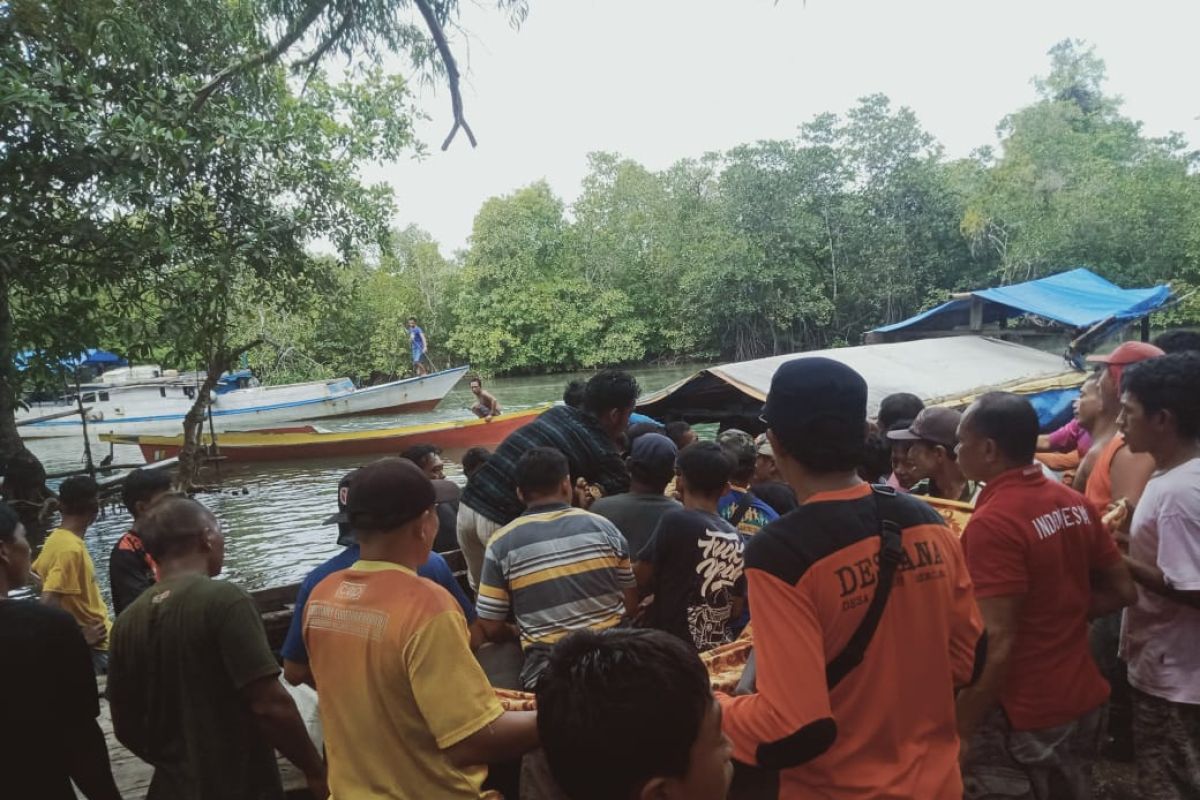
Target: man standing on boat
(420, 345)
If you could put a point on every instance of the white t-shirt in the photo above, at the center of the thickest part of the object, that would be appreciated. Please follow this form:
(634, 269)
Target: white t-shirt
(1160, 638)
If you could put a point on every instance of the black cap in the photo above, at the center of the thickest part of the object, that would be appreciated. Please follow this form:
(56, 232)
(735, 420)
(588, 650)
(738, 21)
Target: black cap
(392, 490)
(807, 389)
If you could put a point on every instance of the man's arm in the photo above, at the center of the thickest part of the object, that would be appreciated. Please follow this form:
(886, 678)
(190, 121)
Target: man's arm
(778, 727)
(493, 403)
(296, 674)
(1000, 621)
(87, 761)
(643, 572)
(127, 578)
(1112, 589)
(496, 630)
(632, 599)
(511, 736)
(1151, 578)
(1130, 473)
(275, 712)
(76, 705)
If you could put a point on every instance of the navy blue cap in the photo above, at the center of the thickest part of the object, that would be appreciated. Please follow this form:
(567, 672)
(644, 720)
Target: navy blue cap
(807, 389)
(655, 452)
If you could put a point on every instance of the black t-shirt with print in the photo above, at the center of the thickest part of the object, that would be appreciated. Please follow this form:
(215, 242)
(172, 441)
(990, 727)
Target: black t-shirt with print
(697, 560)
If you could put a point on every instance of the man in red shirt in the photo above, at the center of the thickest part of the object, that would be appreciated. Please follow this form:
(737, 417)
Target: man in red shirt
(1042, 566)
(883, 728)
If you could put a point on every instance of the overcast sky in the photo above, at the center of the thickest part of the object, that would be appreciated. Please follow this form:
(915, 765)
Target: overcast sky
(660, 80)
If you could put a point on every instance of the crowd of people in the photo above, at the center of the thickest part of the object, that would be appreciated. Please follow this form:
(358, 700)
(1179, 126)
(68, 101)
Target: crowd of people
(891, 658)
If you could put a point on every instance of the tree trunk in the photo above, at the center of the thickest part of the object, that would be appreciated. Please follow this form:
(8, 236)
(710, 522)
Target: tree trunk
(191, 456)
(24, 477)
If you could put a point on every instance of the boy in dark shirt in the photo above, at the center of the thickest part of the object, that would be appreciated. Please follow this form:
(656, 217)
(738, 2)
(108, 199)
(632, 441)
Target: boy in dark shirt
(131, 570)
(693, 561)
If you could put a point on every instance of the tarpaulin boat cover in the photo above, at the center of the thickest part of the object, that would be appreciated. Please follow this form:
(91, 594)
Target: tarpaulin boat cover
(1078, 299)
(91, 357)
(945, 370)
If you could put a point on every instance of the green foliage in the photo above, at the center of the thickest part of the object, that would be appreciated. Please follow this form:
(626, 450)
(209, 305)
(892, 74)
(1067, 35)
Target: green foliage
(191, 228)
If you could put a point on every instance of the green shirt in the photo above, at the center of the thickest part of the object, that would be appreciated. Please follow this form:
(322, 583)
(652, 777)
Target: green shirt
(180, 654)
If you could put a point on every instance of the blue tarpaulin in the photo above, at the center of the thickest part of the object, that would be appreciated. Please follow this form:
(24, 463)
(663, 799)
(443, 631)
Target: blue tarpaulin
(1078, 299)
(91, 357)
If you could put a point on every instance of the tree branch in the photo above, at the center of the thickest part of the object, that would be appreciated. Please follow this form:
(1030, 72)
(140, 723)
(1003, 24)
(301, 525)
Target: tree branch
(293, 35)
(452, 76)
(316, 55)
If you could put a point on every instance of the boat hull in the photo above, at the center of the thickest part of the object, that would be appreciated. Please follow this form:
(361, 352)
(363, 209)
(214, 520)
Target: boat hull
(262, 407)
(257, 446)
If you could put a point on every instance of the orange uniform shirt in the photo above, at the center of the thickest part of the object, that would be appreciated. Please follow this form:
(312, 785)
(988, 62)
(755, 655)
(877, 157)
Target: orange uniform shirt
(397, 684)
(888, 729)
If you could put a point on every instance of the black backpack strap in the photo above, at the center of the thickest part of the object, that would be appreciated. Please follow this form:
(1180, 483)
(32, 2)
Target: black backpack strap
(742, 507)
(891, 553)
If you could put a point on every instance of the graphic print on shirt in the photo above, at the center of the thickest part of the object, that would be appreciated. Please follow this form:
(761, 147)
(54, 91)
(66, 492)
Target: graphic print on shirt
(719, 568)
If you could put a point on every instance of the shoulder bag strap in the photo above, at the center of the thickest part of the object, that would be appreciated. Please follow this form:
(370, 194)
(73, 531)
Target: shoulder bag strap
(891, 553)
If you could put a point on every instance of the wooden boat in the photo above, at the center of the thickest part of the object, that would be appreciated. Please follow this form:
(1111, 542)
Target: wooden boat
(308, 443)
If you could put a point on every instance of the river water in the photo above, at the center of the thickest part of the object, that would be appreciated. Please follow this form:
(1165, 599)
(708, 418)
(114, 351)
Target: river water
(272, 514)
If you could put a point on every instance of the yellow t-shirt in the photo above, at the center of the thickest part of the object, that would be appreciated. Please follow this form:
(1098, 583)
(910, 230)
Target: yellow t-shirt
(397, 684)
(66, 569)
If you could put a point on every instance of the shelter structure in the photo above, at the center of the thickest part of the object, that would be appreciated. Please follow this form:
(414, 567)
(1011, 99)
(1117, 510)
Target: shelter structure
(949, 371)
(1079, 303)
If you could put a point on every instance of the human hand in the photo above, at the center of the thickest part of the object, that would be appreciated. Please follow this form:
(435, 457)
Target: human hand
(1117, 517)
(586, 493)
(94, 634)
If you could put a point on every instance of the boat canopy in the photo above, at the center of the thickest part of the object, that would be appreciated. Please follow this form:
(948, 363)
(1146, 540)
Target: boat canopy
(92, 357)
(951, 371)
(1079, 299)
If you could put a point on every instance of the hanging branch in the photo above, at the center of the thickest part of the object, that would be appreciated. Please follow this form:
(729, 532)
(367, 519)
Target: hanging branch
(293, 35)
(452, 76)
(316, 55)
(297, 30)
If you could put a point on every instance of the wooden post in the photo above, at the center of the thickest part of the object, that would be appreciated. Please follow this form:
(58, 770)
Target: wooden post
(976, 323)
(1146, 328)
(87, 445)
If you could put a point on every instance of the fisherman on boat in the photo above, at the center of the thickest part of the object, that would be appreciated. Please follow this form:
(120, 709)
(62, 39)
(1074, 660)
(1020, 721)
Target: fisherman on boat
(486, 405)
(420, 345)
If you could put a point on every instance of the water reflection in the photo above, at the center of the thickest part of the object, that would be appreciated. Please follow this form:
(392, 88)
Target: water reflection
(272, 514)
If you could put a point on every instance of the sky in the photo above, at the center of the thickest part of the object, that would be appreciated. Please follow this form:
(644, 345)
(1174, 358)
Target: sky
(661, 80)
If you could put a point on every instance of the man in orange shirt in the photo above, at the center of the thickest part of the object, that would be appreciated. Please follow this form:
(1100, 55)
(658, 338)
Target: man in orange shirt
(406, 709)
(1110, 471)
(837, 728)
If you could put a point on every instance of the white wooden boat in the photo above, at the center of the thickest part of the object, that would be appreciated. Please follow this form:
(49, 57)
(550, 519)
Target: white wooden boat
(159, 407)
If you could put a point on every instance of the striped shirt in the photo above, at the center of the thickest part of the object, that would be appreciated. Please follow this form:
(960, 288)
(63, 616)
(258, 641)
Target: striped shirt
(492, 491)
(557, 569)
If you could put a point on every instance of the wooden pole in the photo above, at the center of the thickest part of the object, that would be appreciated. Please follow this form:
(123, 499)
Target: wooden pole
(87, 445)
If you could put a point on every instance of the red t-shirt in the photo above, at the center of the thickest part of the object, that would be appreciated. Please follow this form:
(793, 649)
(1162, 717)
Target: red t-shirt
(1033, 536)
